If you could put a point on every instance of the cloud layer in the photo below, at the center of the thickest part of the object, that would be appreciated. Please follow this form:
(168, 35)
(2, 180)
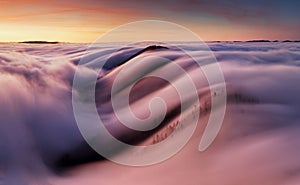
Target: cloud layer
(258, 143)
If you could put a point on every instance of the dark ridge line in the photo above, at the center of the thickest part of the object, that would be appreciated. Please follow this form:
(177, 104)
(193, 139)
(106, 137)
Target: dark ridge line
(39, 42)
(253, 41)
(258, 41)
(148, 48)
(269, 41)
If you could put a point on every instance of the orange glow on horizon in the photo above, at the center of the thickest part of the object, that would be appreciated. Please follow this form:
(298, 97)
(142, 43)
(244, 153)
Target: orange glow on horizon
(76, 21)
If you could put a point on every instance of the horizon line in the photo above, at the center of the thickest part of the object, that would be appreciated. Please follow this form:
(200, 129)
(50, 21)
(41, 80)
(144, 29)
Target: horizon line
(61, 42)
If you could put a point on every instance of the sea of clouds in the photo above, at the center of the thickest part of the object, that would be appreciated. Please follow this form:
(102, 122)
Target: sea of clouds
(259, 141)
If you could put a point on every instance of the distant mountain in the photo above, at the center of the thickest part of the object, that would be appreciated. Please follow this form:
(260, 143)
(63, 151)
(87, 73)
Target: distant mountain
(273, 41)
(39, 42)
(258, 41)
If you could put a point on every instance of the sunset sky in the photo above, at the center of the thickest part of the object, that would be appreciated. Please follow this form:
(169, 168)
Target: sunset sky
(85, 21)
